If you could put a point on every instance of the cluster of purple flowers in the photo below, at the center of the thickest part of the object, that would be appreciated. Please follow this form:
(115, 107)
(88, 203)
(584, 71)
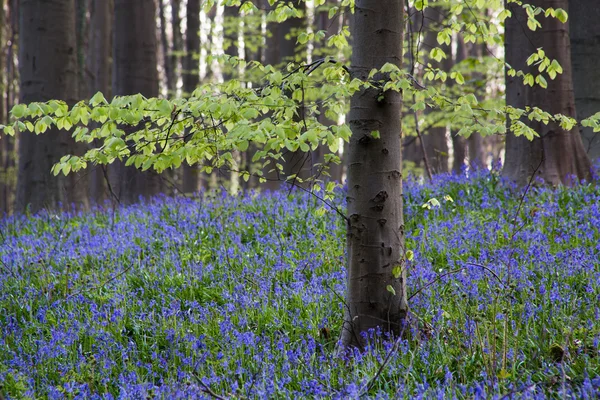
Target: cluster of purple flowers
(242, 297)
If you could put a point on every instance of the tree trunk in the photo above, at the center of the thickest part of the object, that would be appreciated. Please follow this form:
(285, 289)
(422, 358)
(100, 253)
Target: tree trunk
(458, 142)
(331, 27)
(4, 151)
(191, 80)
(436, 144)
(375, 236)
(477, 156)
(177, 44)
(166, 49)
(295, 163)
(81, 33)
(585, 56)
(48, 70)
(558, 153)
(134, 71)
(98, 66)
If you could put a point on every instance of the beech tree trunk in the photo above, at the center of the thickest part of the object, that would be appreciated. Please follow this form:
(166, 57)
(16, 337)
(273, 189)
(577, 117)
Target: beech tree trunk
(331, 27)
(191, 80)
(296, 163)
(436, 144)
(477, 156)
(98, 66)
(375, 236)
(48, 70)
(558, 153)
(134, 71)
(458, 142)
(585, 56)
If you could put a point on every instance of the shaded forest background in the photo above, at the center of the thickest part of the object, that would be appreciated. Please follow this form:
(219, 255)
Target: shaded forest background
(167, 47)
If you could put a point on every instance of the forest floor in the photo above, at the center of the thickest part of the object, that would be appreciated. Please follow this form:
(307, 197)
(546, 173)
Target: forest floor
(242, 297)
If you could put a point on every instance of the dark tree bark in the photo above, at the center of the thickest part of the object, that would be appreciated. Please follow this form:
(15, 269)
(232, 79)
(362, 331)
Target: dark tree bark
(81, 32)
(585, 56)
(177, 47)
(9, 144)
(436, 144)
(558, 153)
(458, 142)
(4, 153)
(477, 156)
(375, 221)
(134, 71)
(331, 27)
(168, 65)
(98, 67)
(48, 70)
(191, 80)
(295, 163)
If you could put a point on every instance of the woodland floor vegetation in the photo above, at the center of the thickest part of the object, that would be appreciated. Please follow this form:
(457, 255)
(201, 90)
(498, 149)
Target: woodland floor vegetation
(242, 297)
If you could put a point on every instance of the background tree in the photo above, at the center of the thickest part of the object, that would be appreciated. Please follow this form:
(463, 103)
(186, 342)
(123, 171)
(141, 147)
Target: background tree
(48, 70)
(98, 66)
(558, 151)
(191, 79)
(134, 71)
(585, 57)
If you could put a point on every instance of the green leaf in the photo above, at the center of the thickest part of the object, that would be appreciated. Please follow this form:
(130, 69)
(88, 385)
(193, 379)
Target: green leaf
(391, 289)
(19, 111)
(561, 15)
(397, 271)
(98, 99)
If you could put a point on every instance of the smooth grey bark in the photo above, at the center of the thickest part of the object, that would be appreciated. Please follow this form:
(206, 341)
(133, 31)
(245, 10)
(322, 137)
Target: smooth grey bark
(98, 66)
(134, 71)
(191, 79)
(375, 235)
(48, 70)
(585, 57)
(558, 153)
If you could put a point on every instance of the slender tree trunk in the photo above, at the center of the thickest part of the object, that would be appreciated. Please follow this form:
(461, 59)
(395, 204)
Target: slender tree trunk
(558, 153)
(272, 56)
(191, 79)
(4, 154)
(48, 70)
(458, 142)
(585, 56)
(331, 27)
(81, 33)
(436, 144)
(166, 48)
(375, 221)
(177, 48)
(134, 71)
(10, 144)
(295, 163)
(99, 67)
(477, 156)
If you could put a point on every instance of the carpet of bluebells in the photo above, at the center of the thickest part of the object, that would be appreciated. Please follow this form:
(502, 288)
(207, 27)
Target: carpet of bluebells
(241, 297)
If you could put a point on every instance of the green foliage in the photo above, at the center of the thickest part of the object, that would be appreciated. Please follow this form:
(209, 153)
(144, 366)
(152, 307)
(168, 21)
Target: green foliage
(281, 112)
